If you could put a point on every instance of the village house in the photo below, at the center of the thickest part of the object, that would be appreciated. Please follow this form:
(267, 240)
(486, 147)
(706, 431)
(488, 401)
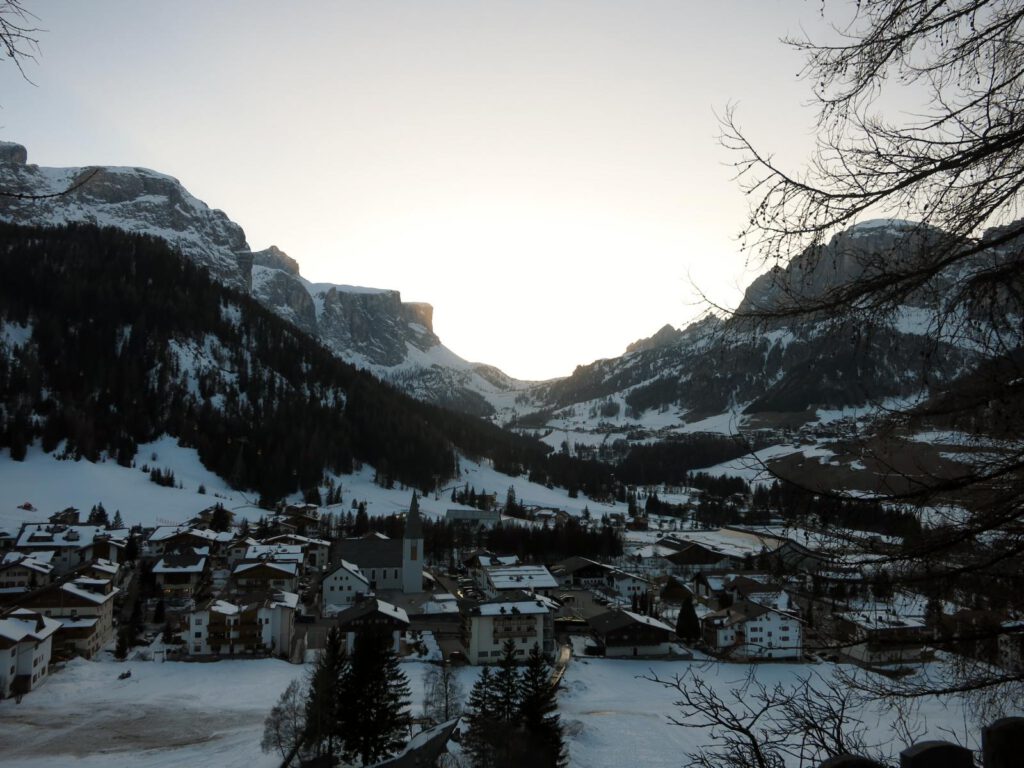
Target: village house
(580, 573)
(342, 586)
(170, 538)
(748, 631)
(178, 574)
(26, 646)
(518, 616)
(317, 551)
(473, 518)
(624, 586)
(880, 636)
(236, 550)
(624, 633)
(277, 553)
(250, 625)
(72, 545)
(85, 609)
(21, 573)
(373, 616)
(264, 575)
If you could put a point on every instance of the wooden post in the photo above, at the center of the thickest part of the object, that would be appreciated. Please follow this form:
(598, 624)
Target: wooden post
(936, 754)
(1002, 743)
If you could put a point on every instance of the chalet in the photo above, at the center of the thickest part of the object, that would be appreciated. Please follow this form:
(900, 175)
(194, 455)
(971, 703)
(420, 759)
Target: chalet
(255, 625)
(103, 569)
(72, 545)
(880, 636)
(110, 547)
(7, 540)
(373, 616)
(747, 630)
(696, 557)
(317, 551)
(85, 609)
(236, 550)
(624, 585)
(343, 586)
(516, 616)
(624, 633)
(178, 574)
(508, 578)
(674, 591)
(26, 646)
(266, 575)
(757, 588)
(277, 553)
(580, 573)
(302, 519)
(170, 538)
(21, 573)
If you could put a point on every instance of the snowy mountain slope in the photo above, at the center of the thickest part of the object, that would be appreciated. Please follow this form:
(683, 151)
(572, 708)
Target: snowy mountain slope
(371, 328)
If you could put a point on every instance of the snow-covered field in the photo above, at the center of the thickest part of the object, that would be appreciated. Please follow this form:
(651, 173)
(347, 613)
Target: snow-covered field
(173, 714)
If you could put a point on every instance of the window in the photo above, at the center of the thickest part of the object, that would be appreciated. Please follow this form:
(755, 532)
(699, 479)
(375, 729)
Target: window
(199, 635)
(199, 621)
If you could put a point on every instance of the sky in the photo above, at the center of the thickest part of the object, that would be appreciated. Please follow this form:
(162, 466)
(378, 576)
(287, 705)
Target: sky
(546, 174)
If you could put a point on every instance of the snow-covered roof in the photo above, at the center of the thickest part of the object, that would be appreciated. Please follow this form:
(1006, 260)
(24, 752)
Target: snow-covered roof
(392, 610)
(31, 623)
(298, 538)
(882, 619)
(224, 607)
(33, 563)
(164, 532)
(519, 602)
(289, 568)
(521, 577)
(284, 599)
(52, 536)
(277, 552)
(74, 588)
(345, 565)
(650, 622)
(181, 563)
(40, 556)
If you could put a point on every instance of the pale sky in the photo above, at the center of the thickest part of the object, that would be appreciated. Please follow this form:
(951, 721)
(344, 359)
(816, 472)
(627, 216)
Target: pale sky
(544, 173)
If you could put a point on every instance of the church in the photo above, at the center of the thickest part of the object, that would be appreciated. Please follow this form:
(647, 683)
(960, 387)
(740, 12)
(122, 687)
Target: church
(391, 564)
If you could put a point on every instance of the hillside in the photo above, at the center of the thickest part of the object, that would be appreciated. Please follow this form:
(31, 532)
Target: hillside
(110, 340)
(368, 327)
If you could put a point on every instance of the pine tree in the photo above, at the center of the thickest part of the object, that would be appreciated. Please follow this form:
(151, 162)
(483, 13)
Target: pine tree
(118, 523)
(542, 743)
(323, 731)
(687, 625)
(485, 729)
(375, 695)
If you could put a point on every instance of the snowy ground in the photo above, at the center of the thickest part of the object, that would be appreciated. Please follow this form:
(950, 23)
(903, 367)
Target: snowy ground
(173, 714)
(49, 485)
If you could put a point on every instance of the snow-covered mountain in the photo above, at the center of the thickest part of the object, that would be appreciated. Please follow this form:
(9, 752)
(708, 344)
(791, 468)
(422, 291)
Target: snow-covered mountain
(371, 328)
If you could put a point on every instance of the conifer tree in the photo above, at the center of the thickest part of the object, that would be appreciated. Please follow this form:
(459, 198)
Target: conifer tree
(541, 728)
(323, 733)
(374, 701)
(484, 726)
(687, 624)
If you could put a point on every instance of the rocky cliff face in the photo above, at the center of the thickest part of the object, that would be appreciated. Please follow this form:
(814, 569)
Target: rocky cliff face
(371, 328)
(135, 199)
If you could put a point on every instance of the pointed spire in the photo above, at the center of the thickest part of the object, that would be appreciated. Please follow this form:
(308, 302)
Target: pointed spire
(413, 522)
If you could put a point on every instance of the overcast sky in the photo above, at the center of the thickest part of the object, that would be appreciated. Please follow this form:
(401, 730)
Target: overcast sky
(544, 173)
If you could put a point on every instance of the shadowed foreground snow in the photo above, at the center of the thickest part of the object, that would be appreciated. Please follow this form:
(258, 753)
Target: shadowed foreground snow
(176, 714)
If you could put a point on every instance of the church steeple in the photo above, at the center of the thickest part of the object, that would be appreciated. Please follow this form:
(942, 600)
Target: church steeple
(412, 550)
(413, 522)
